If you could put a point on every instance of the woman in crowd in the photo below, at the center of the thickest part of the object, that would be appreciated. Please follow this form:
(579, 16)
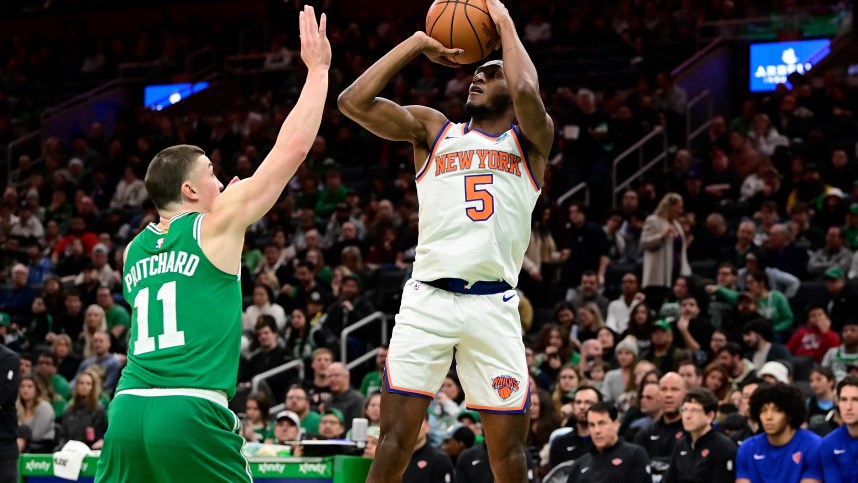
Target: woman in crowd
(85, 418)
(553, 349)
(641, 320)
(608, 339)
(541, 260)
(589, 322)
(664, 246)
(619, 384)
(257, 427)
(716, 379)
(69, 361)
(682, 287)
(263, 304)
(94, 321)
(565, 316)
(372, 409)
(35, 418)
(299, 342)
(448, 402)
(320, 270)
(568, 379)
(822, 401)
(542, 421)
(771, 304)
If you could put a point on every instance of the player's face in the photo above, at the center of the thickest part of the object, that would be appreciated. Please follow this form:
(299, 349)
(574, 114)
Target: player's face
(207, 184)
(489, 92)
(603, 431)
(848, 404)
(774, 421)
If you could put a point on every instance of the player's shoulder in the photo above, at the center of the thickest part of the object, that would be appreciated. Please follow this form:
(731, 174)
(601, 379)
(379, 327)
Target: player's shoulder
(751, 445)
(807, 436)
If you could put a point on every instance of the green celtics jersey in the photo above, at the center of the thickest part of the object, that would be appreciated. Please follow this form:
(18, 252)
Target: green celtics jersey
(186, 321)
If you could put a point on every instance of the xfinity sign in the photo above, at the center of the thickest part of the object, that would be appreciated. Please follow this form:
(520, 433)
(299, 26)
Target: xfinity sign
(771, 63)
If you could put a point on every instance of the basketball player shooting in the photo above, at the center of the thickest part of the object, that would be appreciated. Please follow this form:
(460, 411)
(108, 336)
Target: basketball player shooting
(477, 184)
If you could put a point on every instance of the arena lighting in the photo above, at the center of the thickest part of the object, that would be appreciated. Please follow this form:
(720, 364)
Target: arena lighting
(771, 63)
(157, 97)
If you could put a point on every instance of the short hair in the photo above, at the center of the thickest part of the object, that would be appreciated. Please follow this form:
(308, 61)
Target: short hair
(759, 277)
(730, 266)
(762, 327)
(703, 397)
(788, 400)
(54, 358)
(168, 170)
(733, 348)
(266, 320)
(321, 350)
(825, 372)
(846, 381)
(692, 363)
(586, 387)
(602, 407)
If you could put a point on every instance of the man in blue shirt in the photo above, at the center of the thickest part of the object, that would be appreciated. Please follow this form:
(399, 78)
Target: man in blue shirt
(839, 450)
(785, 453)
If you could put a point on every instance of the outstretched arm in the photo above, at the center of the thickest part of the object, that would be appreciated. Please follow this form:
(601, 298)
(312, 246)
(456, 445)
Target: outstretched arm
(385, 118)
(535, 123)
(249, 199)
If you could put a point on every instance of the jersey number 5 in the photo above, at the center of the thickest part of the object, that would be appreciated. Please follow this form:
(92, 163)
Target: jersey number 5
(171, 336)
(475, 192)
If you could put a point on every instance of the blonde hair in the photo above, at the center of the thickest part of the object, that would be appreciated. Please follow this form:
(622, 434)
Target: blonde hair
(663, 208)
(91, 400)
(88, 348)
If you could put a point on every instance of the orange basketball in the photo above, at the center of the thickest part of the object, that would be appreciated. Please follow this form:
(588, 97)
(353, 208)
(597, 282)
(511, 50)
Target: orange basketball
(504, 392)
(463, 24)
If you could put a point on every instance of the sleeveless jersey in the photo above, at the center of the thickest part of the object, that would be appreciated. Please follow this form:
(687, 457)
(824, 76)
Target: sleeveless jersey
(186, 321)
(476, 193)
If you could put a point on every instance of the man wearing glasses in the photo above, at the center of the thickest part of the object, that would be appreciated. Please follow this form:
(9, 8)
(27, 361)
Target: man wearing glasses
(702, 454)
(298, 402)
(576, 442)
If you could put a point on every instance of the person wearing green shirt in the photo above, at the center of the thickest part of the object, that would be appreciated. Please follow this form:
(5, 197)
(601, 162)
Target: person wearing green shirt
(298, 401)
(372, 381)
(851, 228)
(118, 319)
(772, 304)
(333, 193)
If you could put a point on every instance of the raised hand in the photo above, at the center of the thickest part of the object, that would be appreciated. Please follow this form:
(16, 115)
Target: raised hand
(315, 48)
(498, 13)
(436, 52)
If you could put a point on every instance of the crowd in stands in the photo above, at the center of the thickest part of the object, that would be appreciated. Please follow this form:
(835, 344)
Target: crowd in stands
(733, 268)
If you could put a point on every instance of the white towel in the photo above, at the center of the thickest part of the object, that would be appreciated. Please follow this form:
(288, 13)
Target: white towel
(67, 461)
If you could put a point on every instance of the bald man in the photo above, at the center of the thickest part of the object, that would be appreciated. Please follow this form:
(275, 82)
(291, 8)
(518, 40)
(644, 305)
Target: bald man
(661, 437)
(343, 397)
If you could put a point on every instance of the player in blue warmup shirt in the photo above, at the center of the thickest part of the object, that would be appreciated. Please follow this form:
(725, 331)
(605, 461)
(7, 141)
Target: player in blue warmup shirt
(785, 453)
(839, 450)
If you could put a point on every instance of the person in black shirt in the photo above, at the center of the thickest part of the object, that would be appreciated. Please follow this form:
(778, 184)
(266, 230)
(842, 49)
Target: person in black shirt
(271, 354)
(661, 437)
(428, 464)
(576, 442)
(611, 459)
(473, 466)
(702, 455)
(9, 366)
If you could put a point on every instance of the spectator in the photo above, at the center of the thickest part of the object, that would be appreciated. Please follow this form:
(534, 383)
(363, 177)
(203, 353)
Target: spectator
(349, 308)
(816, 338)
(298, 401)
(621, 380)
(85, 418)
(771, 304)
(692, 329)
(785, 453)
(588, 293)
(758, 336)
(720, 311)
(663, 242)
(35, 418)
(318, 389)
(739, 369)
(103, 358)
(620, 309)
(449, 401)
(457, 441)
(838, 359)
(834, 254)
(661, 438)
(77, 231)
(28, 226)
(19, 298)
(541, 259)
(568, 380)
(779, 280)
(764, 137)
(95, 321)
(271, 354)
(807, 236)
(333, 424)
(299, 344)
(841, 299)
(822, 401)
(372, 381)
(663, 354)
(263, 304)
(130, 192)
(372, 409)
(256, 427)
(640, 326)
(343, 397)
(287, 429)
(612, 459)
(784, 254)
(717, 380)
(585, 248)
(68, 360)
(118, 318)
(744, 245)
(646, 411)
(589, 323)
(575, 442)
(46, 368)
(703, 454)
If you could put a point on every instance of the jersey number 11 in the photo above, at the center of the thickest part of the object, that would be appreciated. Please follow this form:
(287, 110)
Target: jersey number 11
(171, 336)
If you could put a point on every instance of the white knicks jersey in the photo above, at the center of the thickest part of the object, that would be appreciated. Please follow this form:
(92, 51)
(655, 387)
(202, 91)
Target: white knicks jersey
(476, 194)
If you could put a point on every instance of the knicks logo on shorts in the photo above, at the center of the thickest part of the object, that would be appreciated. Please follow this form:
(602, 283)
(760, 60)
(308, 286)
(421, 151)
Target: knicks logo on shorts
(505, 386)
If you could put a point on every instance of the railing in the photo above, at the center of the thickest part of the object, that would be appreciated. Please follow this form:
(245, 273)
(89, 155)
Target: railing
(205, 65)
(299, 363)
(357, 325)
(582, 186)
(807, 23)
(136, 70)
(697, 57)
(636, 147)
(12, 147)
(83, 98)
(706, 96)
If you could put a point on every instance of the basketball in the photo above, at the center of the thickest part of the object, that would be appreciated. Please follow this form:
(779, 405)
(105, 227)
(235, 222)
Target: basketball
(463, 25)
